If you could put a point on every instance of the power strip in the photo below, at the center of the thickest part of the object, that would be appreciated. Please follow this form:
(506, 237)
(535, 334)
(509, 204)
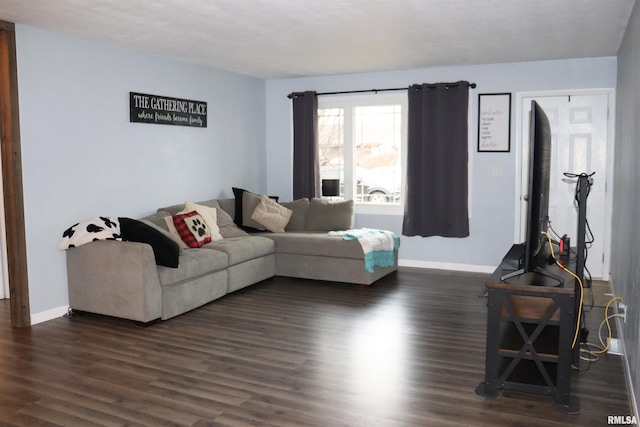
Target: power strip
(615, 346)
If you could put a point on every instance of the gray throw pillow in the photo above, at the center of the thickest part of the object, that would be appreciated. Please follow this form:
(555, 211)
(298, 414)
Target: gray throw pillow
(329, 216)
(228, 205)
(163, 230)
(157, 219)
(298, 220)
(227, 227)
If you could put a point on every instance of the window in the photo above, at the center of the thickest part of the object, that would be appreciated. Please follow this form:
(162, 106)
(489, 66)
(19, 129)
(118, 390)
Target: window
(362, 143)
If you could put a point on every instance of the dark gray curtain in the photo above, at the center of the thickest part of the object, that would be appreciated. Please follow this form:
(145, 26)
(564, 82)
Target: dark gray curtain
(306, 172)
(437, 177)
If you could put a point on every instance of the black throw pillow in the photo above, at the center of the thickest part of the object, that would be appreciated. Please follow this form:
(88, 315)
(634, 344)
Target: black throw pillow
(237, 216)
(165, 250)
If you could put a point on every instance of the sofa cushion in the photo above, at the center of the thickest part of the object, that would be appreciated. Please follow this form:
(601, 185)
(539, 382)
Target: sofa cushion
(192, 229)
(240, 249)
(227, 227)
(193, 263)
(165, 250)
(271, 214)
(157, 219)
(324, 215)
(228, 205)
(316, 243)
(299, 215)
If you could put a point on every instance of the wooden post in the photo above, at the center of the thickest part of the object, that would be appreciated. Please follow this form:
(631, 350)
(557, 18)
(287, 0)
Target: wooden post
(10, 154)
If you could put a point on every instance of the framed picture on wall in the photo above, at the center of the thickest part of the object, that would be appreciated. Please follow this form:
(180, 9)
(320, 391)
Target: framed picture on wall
(494, 122)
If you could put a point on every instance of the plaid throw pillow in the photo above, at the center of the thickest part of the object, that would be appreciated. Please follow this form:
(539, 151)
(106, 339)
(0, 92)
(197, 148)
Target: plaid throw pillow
(192, 229)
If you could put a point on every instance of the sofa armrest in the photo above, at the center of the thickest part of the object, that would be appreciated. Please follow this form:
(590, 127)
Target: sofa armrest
(115, 278)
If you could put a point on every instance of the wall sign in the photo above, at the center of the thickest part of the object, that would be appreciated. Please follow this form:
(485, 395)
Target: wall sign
(494, 122)
(162, 110)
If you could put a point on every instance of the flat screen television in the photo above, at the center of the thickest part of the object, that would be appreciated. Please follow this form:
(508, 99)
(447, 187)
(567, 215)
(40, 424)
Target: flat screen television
(533, 253)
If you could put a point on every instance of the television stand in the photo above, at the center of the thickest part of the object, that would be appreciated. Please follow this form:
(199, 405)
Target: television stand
(530, 332)
(558, 280)
(513, 261)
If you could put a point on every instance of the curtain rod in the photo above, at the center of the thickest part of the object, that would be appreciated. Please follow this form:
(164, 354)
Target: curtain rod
(292, 94)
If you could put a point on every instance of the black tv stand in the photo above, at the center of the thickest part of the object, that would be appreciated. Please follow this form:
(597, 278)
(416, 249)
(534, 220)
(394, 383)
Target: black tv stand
(530, 332)
(514, 259)
(537, 270)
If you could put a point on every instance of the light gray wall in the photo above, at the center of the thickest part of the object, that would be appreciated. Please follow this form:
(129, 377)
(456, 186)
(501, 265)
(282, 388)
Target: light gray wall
(492, 197)
(82, 158)
(625, 263)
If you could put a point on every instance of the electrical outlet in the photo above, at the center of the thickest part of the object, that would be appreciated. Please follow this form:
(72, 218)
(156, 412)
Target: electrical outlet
(614, 346)
(622, 310)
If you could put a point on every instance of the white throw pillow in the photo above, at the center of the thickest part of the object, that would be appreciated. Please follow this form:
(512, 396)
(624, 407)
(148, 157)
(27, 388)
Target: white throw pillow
(271, 214)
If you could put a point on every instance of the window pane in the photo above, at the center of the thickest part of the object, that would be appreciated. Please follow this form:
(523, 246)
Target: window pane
(331, 144)
(378, 136)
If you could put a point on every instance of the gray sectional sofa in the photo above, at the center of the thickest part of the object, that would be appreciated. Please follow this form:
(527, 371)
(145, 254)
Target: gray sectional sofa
(122, 279)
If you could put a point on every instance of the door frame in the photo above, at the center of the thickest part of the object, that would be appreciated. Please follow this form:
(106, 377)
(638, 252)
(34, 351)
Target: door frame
(11, 157)
(519, 212)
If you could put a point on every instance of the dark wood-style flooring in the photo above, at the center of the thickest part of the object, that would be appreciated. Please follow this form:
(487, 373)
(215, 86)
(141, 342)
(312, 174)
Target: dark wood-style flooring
(407, 351)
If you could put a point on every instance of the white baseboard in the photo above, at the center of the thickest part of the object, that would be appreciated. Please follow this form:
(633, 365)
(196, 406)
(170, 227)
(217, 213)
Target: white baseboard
(627, 369)
(51, 314)
(472, 268)
(625, 361)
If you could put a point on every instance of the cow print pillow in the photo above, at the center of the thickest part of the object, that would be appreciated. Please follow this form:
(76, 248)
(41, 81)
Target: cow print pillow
(98, 228)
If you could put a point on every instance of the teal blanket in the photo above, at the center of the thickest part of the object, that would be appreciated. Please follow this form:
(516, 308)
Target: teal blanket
(378, 246)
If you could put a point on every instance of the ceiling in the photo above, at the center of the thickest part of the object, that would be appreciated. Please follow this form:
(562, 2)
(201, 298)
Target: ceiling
(294, 38)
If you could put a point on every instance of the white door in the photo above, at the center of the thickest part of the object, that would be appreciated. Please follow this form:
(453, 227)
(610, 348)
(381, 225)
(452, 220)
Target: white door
(581, 134)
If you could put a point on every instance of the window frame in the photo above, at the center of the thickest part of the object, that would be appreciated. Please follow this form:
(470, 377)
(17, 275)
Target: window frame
(348, 103)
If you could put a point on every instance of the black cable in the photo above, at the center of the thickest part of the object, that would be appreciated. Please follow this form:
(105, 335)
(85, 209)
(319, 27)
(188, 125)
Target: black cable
(589, 182)
(589, 233)
(553, 231)
(592, 301)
